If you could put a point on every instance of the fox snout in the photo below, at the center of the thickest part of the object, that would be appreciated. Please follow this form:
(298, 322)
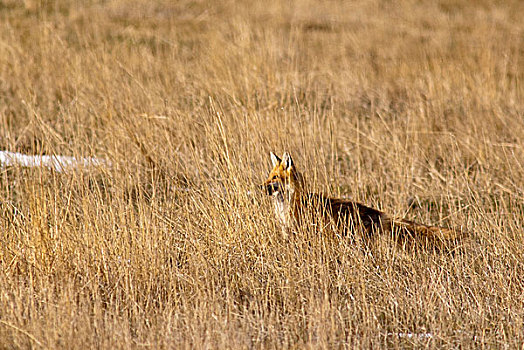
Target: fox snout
(271, 188)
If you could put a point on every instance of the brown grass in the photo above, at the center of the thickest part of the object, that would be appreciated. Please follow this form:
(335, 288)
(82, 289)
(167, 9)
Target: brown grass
(414, 107)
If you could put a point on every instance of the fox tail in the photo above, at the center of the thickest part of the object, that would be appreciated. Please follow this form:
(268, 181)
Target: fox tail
(424, 233)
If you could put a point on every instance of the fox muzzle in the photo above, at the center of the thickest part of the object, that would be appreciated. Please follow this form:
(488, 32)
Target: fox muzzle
(272, 187)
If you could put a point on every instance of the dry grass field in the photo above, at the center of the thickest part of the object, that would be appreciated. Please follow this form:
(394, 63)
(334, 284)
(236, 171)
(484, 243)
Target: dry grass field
(413, 107)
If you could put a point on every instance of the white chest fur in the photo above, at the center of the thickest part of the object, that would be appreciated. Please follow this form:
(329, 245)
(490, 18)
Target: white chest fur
(281, 208)
(281, 203)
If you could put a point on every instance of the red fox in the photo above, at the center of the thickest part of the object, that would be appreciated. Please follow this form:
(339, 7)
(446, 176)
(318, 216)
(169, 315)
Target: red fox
(293, 202)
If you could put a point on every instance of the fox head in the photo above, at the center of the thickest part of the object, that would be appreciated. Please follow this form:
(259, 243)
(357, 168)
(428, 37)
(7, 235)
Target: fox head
(283, 180)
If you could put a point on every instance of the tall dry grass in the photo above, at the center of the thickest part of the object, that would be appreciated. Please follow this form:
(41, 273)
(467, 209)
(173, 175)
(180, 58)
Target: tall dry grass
(414, 107)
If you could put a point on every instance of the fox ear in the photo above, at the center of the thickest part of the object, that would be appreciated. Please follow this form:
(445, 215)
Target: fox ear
(287, 160)
(274, 159)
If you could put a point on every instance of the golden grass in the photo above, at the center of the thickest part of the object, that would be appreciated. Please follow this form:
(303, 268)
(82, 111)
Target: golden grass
(414, 107)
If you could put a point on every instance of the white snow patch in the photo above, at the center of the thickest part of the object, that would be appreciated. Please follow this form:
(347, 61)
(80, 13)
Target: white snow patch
(412, 335)
(56, 162)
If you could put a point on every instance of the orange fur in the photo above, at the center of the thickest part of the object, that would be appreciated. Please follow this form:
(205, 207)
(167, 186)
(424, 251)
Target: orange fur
(292, 202)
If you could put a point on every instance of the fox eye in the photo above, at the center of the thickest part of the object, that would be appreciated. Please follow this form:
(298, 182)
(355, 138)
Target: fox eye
(274, 177)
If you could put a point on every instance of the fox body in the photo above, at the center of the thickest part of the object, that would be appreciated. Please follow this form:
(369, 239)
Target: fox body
(293, 203)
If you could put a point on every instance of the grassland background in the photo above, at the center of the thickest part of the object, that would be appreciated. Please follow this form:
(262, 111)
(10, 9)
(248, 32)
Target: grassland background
(415, 107)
